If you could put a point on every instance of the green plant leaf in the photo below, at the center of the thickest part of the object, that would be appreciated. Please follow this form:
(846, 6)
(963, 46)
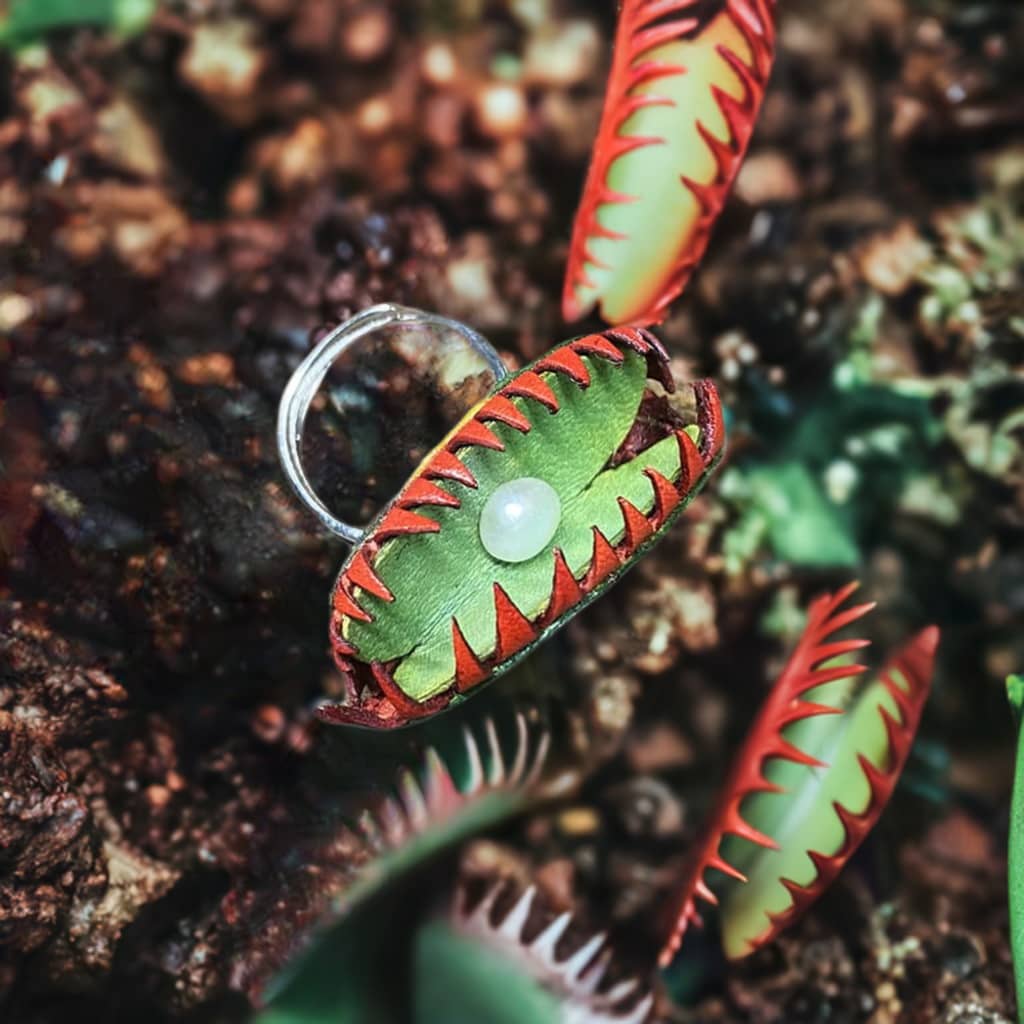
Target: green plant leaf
(838, 468)
(1015, 695)
(461, 981)
(802, 525)
(352, 975)
(29, 20)
(805, 527)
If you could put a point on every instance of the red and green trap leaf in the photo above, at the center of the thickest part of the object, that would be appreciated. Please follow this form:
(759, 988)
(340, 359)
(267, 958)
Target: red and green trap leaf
(423, 613)
(814, 774)
(685, 87)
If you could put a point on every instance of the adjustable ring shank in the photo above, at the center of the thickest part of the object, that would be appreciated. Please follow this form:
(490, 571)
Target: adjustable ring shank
(309, 375)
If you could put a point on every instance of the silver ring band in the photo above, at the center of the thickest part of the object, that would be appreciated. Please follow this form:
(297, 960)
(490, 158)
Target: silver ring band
(304, 383)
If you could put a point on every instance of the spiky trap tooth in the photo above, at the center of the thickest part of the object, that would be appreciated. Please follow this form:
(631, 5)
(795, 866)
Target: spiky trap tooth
(577, 978)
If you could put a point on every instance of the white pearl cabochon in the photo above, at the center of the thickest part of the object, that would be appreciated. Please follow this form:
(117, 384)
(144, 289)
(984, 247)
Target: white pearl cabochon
(519, 519)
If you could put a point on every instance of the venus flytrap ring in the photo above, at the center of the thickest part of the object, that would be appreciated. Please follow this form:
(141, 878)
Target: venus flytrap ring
(532, 505)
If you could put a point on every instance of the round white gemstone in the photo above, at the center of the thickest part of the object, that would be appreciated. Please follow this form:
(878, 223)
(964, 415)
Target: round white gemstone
(519, 519)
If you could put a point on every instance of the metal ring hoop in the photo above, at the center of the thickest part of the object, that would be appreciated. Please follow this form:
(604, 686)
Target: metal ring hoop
(304, 383)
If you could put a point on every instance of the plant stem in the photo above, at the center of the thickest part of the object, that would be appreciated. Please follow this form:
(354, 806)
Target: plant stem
(1015, 694)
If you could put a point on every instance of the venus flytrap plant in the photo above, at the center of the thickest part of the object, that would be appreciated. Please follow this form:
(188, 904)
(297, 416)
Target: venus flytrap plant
(814, 774)
(449, 798)
(441, 804)
(540, 498)
(473, 960)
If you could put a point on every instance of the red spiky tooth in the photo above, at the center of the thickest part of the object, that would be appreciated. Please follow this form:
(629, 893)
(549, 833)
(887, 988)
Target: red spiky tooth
(342, 648)
(513, 629)
(600, 231)
(785, 749)
(421, 491)
(798, 710)
(821, 676)
(644, 343)
(722, 152)
(719, 863)
(564, 360)
(384, 677)
(446, 466)
(840, 647)
(654, 343)
(362, 574)
(753, 20)
(603, 562)
(473, 432)
(894, 725)
(821, 863)
(631, 337)
(691, 465)
(705, 893)
(876, 776)
(848, 819)
(737, 112)
(709, 419)
(400, 522)
(739, 827)
(851, 615)
(794, 889)
(709, 197)
(504, 411)
(654, 36)
(624, 144)
(638, 529)
(529, 385)
(565, 590)
(666, 494)
(598, 345)
(823, 607)
(468, 670)
(634, 103)
(344, 604)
